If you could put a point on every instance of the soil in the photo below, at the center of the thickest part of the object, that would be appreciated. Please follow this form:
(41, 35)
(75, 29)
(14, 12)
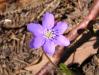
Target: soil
(15, 53)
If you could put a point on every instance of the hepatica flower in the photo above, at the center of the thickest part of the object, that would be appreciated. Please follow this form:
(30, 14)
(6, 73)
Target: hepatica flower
(48, 35)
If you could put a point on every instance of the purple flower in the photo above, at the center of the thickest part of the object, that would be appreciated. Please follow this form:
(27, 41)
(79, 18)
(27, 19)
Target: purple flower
(47, 35)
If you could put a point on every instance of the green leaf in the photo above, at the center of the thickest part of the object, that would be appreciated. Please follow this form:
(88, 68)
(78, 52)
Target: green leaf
(64, 69)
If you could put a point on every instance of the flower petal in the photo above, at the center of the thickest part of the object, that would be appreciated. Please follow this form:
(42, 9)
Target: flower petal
(48, 20)
(36, 29)
(61, 40)
(49, 47)
(60, 27)
(37, 42)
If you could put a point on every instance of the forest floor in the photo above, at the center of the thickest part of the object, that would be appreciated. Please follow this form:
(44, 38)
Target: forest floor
(15, 53)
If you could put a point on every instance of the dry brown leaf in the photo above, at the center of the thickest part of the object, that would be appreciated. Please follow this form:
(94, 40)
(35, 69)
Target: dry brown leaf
(83, 52)
(2, 5)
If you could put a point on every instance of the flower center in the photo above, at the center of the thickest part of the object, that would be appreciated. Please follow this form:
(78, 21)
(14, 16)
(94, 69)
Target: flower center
(49, 34)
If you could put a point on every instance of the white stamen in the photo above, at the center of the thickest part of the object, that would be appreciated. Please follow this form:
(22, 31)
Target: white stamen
(49, 34)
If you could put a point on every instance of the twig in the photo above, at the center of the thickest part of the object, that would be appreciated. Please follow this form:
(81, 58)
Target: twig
(74, 33)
